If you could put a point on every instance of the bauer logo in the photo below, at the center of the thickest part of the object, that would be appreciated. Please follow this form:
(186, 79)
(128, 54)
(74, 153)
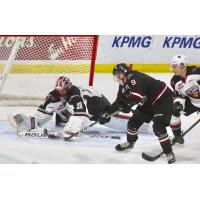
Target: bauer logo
(36, 135)
(132, 41)
(181, 42)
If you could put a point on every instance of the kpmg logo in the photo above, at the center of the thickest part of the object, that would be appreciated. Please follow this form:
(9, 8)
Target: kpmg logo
(181, 42)
(132, 41)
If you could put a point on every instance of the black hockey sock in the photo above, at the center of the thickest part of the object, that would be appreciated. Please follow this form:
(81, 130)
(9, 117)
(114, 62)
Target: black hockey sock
(165, 144)
(177, 132)
(166, 147)
(132, 136)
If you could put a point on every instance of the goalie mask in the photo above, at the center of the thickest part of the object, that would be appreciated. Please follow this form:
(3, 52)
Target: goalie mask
(63, 83)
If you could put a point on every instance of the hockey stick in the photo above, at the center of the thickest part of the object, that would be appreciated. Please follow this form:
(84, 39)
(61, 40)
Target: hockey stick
(56, 135)
(89, 126)
(45, 135)
(153, 158)
(81, 131)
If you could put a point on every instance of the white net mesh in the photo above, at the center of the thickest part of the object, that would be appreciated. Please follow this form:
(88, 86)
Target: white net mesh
(40, 60)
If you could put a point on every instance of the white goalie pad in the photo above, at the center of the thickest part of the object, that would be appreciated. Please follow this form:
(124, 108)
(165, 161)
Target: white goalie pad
(42, 118)
(21, 123)
(75, 124)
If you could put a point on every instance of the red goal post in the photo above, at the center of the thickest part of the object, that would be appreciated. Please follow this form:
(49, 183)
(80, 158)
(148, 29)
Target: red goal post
(27, 58)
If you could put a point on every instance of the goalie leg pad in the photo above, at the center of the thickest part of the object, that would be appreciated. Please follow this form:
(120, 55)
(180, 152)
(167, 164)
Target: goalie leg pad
(42, 118)
(74, 125)
(20, 123)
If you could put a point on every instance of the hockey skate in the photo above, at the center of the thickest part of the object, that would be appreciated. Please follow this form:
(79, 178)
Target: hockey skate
(124, 146)
(178, 139)
(171, 158)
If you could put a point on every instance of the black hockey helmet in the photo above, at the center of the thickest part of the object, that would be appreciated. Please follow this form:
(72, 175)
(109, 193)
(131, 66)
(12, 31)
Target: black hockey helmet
(120, 68)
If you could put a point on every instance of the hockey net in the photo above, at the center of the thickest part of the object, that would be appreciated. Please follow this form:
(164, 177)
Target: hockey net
(29, 66)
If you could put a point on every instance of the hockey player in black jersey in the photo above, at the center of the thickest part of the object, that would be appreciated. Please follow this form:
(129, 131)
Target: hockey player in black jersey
(76, 107)
(186, 86)
(133, 87)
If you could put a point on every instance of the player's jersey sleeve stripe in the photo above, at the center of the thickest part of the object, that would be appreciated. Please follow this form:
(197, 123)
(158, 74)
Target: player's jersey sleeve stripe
(136, 95)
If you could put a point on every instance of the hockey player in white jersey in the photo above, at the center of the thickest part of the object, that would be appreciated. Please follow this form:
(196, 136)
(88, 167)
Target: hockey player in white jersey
(74, 106)
(186, 85)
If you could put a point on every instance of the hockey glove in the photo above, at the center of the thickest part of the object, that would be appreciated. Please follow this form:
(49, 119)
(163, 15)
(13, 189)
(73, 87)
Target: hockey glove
(104, 118)
(177, 107)
(126, 108)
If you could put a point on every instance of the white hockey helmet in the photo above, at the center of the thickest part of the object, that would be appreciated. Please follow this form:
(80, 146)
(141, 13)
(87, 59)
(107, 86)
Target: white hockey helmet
(63, 82)
(179, 61)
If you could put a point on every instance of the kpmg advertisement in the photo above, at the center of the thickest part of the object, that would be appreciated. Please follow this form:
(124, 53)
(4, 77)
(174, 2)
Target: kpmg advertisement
(147, 48)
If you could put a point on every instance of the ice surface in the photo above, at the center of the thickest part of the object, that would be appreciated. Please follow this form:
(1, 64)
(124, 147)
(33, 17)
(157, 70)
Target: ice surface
(88, 149)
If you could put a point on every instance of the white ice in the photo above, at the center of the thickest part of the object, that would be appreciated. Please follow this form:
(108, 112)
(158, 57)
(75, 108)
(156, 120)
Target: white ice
(86, 149)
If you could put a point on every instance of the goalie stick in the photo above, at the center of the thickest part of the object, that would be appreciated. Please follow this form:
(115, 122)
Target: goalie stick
(153, 158)
(45, 135)
(54, 135)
